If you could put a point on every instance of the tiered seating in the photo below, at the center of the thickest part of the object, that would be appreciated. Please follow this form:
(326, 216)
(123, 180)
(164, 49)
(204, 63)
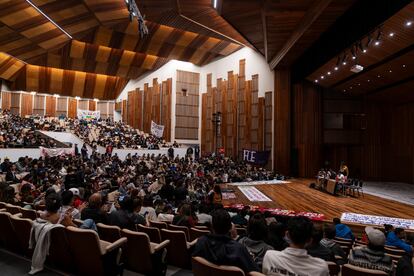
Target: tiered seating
(351, 270)
(179, 250)
(202, 267)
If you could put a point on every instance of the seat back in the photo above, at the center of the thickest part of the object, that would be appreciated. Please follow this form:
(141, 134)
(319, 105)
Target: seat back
(85, 246)
(394, 251)
(152, 232)
(177, 251)
(2, 205)
(241, 231)
(196, 233)
(60, 255)
(351, 270)
(180, 228)
(8, 237)
(109, 233)
(138, 252)
(12, 209)
(202, 267)
(334, 269)
(28, 213)
(22, 227)
(158, 224)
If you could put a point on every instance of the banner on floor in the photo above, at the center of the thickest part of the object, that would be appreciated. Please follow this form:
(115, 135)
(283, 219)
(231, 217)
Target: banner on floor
(88, 115)
(49, 152)
(256, 157)
(157, 130)
(253, 194)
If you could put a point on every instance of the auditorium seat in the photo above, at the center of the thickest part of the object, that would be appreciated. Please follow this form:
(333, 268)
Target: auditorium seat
(202, 267)
(158, 224)
(351, 270)
(28, 213)
(178, 250)
(180, 228)
(93, 256)
(8, 236)
(109, 233)
(394, 251)
(139, 252)
(78, 222)
(334, 269)
(196, 233)
(22, 228)
(60, 256)
(13, 209)
(152, 232)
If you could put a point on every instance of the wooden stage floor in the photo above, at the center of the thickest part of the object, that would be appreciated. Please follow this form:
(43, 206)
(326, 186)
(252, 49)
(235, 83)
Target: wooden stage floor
(298, 196)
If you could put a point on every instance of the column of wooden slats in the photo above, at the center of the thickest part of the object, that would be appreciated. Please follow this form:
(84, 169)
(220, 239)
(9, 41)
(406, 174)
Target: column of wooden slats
(5, 100)
(15, 103)
(26, 104)
(166, 108)
(39, 105)
(72, 108)
(62, 106)
(50, 106)
(268, 117)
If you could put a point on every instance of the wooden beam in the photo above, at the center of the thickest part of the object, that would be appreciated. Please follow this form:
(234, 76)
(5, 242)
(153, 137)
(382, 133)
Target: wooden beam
(264, 26)
(311, 15)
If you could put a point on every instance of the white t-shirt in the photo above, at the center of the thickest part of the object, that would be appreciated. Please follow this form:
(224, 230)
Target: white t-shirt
(148, 213)
(204, 218)
(293, 261)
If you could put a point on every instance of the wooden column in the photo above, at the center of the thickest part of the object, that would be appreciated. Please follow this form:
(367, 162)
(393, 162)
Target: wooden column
(282, 120)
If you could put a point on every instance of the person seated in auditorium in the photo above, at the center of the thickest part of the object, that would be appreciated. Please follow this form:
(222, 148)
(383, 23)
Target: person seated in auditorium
(276, 237)
(405, 266)
(67, 203)
(329, 242)
(215, 196)
(372, 256)
(95, 210)
(204, 216)
(342, 230)
(11, 175)
(395, 238)
(255, 239)
(147, 210)
(167, 214)
(241, 217)
(295, 260)
(127, 215)
(185, 216)
(316, 249)
(220, 249)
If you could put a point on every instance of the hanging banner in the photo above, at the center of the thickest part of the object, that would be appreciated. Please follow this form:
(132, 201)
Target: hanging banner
(256, 157)
(157, 130)
(88, 115)
(51, 152)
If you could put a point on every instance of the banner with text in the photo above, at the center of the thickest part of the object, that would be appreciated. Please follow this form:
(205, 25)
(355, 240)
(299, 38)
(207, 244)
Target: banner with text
(256, 157)
(52, 152)
(88, 115)
(157, 130)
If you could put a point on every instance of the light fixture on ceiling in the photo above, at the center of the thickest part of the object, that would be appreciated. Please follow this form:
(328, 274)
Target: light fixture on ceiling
(344, 59)
(215, 4)
(96, 100)
(403, 65)
(391, 34)
(56, 95)
(322, 77)
(379, 76)
(329, 73)
(316, 81)
(361, 47)
(408, 23)
(77, 98)
(134, 12)
(48, 18)
(33, 93)
(344, 90)
(390, 71)
(336, 68)
(368, 80)
(353, 52)
(378, 39)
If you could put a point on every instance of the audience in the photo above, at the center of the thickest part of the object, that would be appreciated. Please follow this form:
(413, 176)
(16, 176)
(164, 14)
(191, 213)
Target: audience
(373, 255)
(276, 238)
(329, 242)
(220, 249)
(295, 260)
(394, 238)
(316, 249)
(342, 231)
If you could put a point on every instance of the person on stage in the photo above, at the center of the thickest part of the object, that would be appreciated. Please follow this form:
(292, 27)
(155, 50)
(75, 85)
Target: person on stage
(344, 169)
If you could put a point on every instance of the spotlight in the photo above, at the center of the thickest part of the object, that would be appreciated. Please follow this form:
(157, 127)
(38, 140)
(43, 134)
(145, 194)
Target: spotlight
(316, 80)
(336, 68)
(391, 34)
(377, 43)
(344, 63)
(322, 77)
(364, 51)
(353, 52)
(403, 65)
(390, 71)
(353, 57)
(329, 73)
(344, 59)
(368, 80)
(379, 76)
(134, 12)
(409, 23)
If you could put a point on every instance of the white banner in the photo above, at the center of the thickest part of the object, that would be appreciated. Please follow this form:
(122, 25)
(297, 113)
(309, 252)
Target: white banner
(88, 115)
(261, 182)
(157, 130)
(253, 194)
(56, 152)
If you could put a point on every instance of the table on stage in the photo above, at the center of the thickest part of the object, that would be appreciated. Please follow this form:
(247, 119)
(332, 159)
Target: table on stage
(330, 186)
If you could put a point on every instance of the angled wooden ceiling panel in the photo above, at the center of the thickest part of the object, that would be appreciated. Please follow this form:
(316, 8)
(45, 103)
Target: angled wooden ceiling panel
(10, 66)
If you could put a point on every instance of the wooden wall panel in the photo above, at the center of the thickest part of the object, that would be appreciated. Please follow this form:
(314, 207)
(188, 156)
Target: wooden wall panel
(147, 108)
(282, 103)
(187, 105)
(26, 104)
(166, 108)
(306, 130)
(5, 100)
(39, 105)
(50, 106)
(62, 106)
(111, 109)
(268, 119)
(124, 111)
(72, 108)
(83, 104)
(131, 108)
(15, 103)
(92, 105)
(254, 113)
(118, 106)
(156, 102)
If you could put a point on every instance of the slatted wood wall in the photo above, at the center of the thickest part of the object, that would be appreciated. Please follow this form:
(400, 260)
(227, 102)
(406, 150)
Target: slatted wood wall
(45, 105)
(243, 114)
(153, 103)
(187, 105)
(118, 106)
(39, 105)
(92, 105)
(268, 119)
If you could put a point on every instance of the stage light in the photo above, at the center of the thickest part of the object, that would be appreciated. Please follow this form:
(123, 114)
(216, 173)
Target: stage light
(336, 68)
(316, 81)
(364, 51)
(322, 77)
(391, 34)
(353, 57)
(409, 23)
(329, 73)
(344, 59)
(403, 65)
(353, 52)
(390, 71)
(134, 12)
(377, 43)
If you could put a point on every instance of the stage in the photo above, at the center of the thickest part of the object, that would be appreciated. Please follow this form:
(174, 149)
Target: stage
(297, 196)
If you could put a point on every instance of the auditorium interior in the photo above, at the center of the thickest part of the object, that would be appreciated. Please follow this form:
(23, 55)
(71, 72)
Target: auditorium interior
(201, 137)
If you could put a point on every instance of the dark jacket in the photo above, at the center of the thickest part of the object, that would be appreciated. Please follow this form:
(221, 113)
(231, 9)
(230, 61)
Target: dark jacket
(257, 249)
(336, 249)
(405, 266)
(322, 252)
(95, 214)
(124, 219)
(222, 250)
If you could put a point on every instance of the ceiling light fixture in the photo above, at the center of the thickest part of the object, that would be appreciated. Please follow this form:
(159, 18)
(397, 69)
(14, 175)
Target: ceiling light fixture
(409, 23)
(48, 18)
(390, 71)
(329, 73)
(403, 65)
(134, 12)
(391, 34)
(215, 4)
(316, 80)
(56, 95)
(322, 77)
(336, 68)
(77, 98)
(368, 80)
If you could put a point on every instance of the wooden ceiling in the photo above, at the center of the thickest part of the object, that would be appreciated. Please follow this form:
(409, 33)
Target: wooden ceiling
(105, 50)
(388, 73)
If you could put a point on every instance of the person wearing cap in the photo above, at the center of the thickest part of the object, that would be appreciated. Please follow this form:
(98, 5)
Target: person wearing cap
(394, 238)
(372, 256)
